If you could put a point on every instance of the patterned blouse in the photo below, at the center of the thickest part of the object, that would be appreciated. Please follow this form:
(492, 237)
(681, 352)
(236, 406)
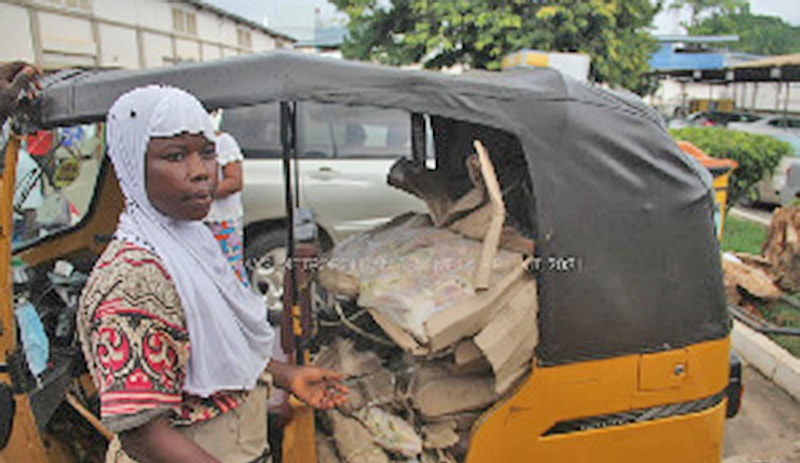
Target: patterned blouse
(133, 331)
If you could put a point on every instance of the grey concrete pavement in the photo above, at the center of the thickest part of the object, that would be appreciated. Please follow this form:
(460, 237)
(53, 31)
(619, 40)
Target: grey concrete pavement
(773, 361)
(767, 428)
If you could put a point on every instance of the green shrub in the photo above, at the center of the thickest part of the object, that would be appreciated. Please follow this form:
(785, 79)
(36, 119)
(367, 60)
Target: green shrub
(757, 155)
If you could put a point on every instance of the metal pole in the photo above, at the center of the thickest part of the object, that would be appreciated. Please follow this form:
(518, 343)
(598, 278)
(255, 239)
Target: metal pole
(786, 98)
(744, 96)
(684, 109)
(286, 142)
(418, 138)
(293, 137)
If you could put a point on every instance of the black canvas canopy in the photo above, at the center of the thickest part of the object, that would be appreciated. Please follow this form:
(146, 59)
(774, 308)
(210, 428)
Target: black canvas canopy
(622, 219)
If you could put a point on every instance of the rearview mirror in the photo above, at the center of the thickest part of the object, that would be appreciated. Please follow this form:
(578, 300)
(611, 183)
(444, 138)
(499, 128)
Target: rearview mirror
(7, 409)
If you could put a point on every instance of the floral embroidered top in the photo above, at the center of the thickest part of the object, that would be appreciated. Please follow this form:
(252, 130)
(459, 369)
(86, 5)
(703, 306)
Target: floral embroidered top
(134, 337)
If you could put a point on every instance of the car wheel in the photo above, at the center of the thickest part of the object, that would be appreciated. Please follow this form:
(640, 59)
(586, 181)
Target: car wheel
(749, 198)
(265, 259)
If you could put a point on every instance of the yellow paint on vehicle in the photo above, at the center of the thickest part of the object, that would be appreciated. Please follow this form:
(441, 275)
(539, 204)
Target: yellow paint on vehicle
(513, 430)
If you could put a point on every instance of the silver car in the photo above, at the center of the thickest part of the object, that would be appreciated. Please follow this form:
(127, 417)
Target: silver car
(344, 155)
(783, 184)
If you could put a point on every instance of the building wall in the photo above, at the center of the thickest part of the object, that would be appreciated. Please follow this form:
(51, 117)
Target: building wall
(761, 97)
(15, 25)
(119, 46)
(667, 58)
(123, 33)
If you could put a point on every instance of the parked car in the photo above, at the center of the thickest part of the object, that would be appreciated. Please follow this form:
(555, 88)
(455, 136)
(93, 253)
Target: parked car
(784, 183)
(344, 155)
(770, 125)
(712, 118)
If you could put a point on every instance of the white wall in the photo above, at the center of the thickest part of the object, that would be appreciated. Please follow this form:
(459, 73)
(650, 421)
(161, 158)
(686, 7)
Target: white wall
(68, 35)
(17, 44)
(263, 42)
(187, 50)
(110, 33)
(209, 25)
(671, 94)
(124, 11)
(119, 47)
(227, 34)
(155, 14)
(158, 50)
(768, 96)
(211, 52)
(228, 52)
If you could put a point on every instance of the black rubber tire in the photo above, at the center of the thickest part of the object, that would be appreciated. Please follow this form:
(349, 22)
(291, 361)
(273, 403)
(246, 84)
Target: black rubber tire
(749, 199)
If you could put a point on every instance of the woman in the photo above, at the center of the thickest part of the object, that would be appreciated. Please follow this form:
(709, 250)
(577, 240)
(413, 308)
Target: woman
(174, 343)
(225, 219)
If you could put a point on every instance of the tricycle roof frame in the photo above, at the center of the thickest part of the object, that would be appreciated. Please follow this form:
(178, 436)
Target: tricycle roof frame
(613, 194)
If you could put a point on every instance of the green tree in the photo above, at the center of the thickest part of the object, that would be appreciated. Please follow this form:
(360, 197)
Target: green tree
(764, 35)
(699, 8)
(757, 155)
(478, 33)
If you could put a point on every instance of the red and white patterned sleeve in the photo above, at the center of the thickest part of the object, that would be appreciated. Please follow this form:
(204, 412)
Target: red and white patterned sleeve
(134, 337)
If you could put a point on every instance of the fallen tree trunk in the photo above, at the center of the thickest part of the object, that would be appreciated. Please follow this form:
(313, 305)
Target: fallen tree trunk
(782, 247)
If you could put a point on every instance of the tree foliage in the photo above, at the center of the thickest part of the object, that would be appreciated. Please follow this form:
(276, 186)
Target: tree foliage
(700, 8)
(764, 35)
(478, 33)
(757, 155)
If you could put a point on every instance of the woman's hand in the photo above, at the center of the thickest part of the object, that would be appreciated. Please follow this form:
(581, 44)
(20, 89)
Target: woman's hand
(231, 181)
(317, 387)
(16, 78)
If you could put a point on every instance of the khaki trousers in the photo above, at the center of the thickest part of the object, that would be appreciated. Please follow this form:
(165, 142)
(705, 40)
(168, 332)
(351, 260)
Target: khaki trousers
(239, 436)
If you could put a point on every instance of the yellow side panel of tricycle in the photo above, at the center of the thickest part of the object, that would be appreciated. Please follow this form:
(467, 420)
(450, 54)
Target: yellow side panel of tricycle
(24, 443)
(298, 437)
(514, 431)
(7, 180)
(686, 438)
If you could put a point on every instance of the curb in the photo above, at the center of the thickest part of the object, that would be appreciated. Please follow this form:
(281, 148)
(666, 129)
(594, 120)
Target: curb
(772, 360)
(750, 216)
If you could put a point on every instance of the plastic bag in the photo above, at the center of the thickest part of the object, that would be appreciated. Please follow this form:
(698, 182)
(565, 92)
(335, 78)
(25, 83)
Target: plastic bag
(34, 338)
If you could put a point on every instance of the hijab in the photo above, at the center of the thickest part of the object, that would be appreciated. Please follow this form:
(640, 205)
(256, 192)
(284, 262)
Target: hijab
(228, 330)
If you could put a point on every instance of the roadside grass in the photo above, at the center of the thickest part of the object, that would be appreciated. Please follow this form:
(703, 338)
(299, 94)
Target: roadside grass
(742, 235)
(783, 314)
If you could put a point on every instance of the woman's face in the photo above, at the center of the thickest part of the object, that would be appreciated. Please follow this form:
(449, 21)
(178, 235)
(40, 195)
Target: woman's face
(181, 175)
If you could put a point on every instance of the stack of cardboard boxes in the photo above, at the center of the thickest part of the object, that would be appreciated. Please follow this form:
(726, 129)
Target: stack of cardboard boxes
(458, 315)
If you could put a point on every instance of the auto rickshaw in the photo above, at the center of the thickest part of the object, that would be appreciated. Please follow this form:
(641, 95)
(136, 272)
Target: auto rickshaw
(632, 362)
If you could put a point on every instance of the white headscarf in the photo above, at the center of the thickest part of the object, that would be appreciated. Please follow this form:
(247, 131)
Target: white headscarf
(229, 334)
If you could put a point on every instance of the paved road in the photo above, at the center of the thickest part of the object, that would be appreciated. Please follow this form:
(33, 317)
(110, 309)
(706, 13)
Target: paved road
(767, 428)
